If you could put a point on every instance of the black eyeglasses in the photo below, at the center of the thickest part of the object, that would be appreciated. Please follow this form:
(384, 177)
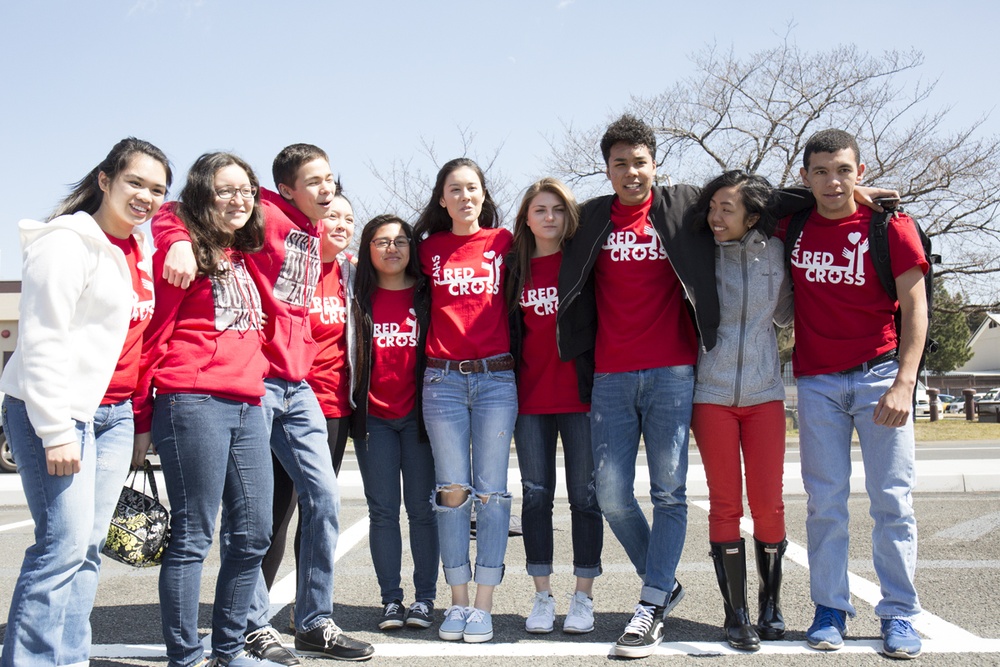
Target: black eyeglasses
(400, 242)
(248, 192)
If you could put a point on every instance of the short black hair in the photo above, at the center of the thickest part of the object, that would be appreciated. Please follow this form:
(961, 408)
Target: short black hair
(286, 164)
(830, 141)
(755, 191)
(631, 131)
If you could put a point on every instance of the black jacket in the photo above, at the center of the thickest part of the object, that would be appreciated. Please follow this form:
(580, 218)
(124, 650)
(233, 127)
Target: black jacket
(363, 372)
(690, 248)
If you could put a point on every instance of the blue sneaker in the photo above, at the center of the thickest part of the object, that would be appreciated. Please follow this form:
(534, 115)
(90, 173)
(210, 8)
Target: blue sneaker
(478, 626)
(453, 627)
(828, 629)
(899, 639)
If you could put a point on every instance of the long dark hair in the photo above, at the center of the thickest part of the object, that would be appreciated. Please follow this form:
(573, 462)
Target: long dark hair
(755, 191)
(524, 240)
(210, 236)
(87, 195)
(366, 279)
(435, 218)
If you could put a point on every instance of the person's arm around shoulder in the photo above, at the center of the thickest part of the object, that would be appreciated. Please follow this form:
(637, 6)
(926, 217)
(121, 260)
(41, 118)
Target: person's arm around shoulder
(170, 235)
(894, 407)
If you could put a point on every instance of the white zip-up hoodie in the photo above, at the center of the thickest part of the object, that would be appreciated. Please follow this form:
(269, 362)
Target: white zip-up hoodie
(76, 303)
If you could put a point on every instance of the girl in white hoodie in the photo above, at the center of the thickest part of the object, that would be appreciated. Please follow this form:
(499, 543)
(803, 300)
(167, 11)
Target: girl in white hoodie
(86, 296)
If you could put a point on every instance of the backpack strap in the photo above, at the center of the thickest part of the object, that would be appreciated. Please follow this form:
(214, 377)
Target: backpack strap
(793, 231)
(878, 247)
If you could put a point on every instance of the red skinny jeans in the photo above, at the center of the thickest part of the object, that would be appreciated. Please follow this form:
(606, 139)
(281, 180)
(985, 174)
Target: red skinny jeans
(758, 431)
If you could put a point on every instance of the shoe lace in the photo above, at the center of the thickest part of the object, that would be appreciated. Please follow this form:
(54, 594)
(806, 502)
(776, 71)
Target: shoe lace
(392, 608)
(455, 611)
(827, 616)
(475, 616)
(330, 631)
(899, 626)
(577, 604)
(420, 607)
(265, 637)
(641, 621)
(542, 604)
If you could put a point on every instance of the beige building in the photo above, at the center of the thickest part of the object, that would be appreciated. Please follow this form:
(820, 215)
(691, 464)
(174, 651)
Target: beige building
(10, 300)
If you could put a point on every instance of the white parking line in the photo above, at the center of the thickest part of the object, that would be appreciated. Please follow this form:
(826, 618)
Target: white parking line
(17, 524)
(933, 627)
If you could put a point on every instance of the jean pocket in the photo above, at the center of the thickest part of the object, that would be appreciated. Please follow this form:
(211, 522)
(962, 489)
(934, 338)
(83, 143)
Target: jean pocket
(434, 375)
(501, 376)
(681, 372)
(189, 398)
(887, 370)
(601, 376)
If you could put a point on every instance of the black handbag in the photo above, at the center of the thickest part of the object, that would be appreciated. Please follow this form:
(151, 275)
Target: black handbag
(140, 528)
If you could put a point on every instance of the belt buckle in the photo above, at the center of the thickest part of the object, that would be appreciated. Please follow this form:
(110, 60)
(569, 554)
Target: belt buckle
(461, 366)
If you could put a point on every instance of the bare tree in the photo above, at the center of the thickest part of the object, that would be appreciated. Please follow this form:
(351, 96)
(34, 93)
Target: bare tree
(756, 113)
(408, 183)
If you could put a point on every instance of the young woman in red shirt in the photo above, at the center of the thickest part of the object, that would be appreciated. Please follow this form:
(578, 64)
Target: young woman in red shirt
(391, 315)
(549, 406)
(469, 394)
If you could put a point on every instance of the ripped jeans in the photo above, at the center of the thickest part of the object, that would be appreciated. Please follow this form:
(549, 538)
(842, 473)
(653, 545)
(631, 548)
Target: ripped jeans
(470, 420)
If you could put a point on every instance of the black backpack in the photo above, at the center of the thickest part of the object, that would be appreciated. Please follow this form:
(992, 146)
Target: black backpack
(878, 239)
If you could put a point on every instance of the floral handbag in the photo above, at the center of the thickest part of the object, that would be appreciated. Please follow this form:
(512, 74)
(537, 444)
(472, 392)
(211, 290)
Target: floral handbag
(140, 528)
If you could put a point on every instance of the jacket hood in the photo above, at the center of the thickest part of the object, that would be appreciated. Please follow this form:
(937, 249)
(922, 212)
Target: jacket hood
(79, 222)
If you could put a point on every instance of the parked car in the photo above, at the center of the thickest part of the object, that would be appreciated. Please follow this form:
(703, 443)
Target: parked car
(989, 405)
(949, 403)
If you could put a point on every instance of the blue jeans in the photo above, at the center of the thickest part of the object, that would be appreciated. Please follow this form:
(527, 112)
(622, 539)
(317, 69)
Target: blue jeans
(477, 409)
(49, 618)
(214, 453)
(830, 407)
(394, 449)
(535, 441)
(297, 428)
(656, 403)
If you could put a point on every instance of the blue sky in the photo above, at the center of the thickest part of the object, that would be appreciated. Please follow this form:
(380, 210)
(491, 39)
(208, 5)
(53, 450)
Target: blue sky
(370, 82)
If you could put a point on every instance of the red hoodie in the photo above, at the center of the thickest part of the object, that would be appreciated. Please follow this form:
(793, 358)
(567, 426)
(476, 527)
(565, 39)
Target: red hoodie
(286, 271)
(202, 340)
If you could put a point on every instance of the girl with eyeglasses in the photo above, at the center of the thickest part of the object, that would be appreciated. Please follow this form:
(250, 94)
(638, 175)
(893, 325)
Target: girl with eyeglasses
(469, 395)
(549, 406)
(391, 312)
(202, 355)
(85, 300)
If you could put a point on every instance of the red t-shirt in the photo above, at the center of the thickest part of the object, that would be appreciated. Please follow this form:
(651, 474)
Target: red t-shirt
(468, 315)
(329, 376)
(393, 390)
(843, 316)
(545, 384)
(642, 320)
(203, 340)
(127, 371)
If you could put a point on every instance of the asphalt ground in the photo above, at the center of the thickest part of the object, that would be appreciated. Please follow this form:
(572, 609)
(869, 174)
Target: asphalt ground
(958, 577)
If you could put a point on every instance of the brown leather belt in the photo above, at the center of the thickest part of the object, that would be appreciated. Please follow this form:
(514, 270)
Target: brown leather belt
(865, 367)
(502, 363)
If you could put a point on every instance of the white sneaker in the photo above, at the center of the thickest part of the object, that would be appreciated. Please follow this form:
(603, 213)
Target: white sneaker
(543, 614)
(580, 617)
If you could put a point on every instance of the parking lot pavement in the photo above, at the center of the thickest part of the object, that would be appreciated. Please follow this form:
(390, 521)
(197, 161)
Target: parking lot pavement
(958, 574)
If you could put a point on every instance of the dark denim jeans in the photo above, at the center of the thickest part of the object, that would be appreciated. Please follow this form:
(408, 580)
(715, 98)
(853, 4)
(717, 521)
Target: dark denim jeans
(213, 452)
(394, 450)
(535, 440)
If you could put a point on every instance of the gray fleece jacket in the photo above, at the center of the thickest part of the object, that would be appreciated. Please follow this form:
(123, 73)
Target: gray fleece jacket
(754, 294)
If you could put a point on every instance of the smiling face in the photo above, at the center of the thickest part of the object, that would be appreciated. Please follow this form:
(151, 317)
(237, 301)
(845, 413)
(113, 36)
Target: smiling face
(547, 220)
(338, 228)
(391, 260)
(632, 171)
(463, 198)
(313, 190)
(727, 216)
(832, 178)
(235, 211)
(131, 198)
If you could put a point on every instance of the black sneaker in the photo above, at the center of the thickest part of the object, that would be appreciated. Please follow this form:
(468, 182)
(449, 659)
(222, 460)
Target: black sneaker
(265, 644)
(676, 595)
(642, 634)
(392, 616)
(326, 640)
(420, 614)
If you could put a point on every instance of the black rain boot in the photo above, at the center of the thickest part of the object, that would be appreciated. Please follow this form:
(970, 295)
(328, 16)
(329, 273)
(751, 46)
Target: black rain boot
(731, 571)
(770, 623)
